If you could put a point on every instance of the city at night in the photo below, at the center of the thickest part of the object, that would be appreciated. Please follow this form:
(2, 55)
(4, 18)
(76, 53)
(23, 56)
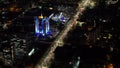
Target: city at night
(59, 34)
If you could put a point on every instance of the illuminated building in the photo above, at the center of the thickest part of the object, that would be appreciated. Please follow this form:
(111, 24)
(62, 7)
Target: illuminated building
(42, 25)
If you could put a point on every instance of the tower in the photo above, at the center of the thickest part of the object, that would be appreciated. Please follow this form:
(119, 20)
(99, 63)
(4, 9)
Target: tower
(42, 25)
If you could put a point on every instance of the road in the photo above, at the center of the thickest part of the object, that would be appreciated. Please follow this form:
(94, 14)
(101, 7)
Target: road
(46, 59)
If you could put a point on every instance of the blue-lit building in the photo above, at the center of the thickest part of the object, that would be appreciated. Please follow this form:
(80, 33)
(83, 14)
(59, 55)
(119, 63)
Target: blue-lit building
(42, 25)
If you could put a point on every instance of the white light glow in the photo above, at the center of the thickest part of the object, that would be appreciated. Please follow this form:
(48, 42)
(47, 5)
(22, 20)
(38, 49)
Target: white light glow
(31, 52)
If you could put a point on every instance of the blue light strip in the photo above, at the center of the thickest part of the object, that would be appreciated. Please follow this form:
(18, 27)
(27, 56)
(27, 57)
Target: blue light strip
(43, 26)
(37, 25)
(47, 25)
